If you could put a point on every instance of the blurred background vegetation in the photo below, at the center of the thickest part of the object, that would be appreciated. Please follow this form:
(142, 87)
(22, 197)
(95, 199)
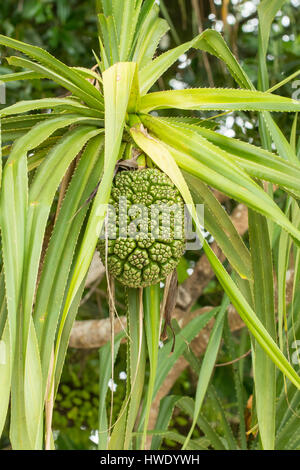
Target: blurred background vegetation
(68, 29)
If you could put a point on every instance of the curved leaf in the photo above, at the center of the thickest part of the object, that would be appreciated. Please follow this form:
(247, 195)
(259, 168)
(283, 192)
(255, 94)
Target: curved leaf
(210, 41)
(217, 99)
(60, 252)
(208, 364)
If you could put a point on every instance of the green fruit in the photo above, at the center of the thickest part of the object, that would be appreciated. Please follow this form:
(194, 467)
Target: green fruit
(145, 228)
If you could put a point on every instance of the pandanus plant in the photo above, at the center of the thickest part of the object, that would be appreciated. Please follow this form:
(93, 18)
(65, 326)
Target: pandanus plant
(58, 171)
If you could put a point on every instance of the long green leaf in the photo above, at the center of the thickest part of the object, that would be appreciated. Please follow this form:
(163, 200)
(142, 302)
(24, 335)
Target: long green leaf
(3, 306)
(166, 409)
(166, 359)
(5, 374)
(27, 370)
(13, 77)
(217, 99)
(256, 161)
(152, 331)
(264, 369)
(267, 10)
(105, 370)
(33, 390)
(210, 41)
